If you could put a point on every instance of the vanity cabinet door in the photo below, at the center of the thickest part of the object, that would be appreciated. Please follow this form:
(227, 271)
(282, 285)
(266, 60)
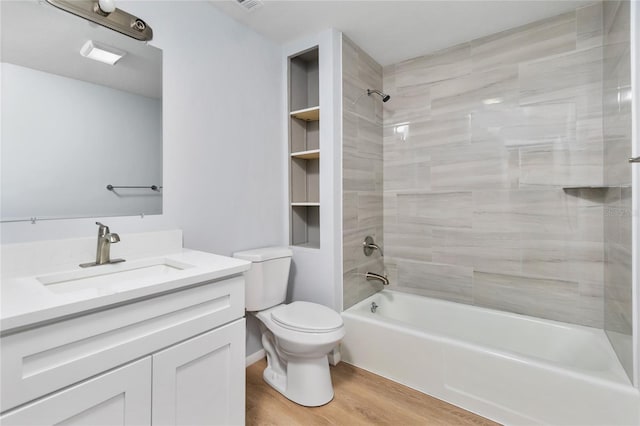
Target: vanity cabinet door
(119, 397)
(202, 380)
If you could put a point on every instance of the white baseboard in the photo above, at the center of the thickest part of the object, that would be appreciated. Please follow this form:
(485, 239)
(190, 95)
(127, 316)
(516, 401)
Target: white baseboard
(255, 357)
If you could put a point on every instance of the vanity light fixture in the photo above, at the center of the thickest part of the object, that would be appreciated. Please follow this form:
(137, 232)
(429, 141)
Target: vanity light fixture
(105, 13)
(100, 52)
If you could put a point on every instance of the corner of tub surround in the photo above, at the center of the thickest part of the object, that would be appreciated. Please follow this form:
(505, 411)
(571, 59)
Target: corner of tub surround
(32, 258)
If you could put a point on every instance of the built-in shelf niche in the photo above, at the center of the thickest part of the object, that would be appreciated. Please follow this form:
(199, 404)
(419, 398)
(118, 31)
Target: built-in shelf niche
(304, 90)
(305, 226)
(304, 149)
(305, 180)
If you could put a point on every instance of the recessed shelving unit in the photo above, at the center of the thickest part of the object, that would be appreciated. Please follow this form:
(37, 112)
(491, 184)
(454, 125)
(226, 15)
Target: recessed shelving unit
(304, 149)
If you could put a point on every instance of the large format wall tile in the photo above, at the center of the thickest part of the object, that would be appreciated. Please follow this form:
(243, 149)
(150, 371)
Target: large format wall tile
(476, 166)
(618, 297)
(498, 251)
(573, 75)
(535, 212)
(408, 241)
(471, 91)
(538, 40)
(362, 201)
(444, 65)
(448, 282)
(437, 209)
(572, 166)
(479, 141)
(589, 26)
(540, 297)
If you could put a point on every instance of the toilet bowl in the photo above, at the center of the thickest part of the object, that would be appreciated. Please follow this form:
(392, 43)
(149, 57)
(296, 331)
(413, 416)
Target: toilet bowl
(297, 351)
(296, 337)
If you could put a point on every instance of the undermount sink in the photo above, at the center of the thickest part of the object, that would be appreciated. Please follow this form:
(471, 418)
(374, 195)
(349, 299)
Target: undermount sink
(105, 277)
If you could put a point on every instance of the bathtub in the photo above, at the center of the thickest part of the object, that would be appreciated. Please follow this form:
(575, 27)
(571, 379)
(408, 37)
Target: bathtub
(509, 368)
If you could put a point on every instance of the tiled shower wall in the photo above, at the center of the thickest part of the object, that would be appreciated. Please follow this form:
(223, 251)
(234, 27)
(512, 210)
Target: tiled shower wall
(362, 171)
(488, 149)
(617, 175)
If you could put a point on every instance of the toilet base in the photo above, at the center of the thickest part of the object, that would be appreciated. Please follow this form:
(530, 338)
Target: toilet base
(307, 381)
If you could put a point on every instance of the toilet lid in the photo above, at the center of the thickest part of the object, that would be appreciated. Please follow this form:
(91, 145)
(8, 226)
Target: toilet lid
(306, 316)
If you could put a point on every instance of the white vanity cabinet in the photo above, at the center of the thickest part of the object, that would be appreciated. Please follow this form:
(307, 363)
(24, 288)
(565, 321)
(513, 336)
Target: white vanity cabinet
(176, 358)
(119, 397)
(201, 381)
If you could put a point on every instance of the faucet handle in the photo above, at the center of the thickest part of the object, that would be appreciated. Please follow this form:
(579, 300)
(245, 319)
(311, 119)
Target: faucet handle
(368, 246)
(103, 229)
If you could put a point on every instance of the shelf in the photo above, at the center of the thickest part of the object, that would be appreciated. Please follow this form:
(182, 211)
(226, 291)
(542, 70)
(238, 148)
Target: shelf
(307, 114)
(311, 245)
(307, 155)
(305, 204)
(602, 187)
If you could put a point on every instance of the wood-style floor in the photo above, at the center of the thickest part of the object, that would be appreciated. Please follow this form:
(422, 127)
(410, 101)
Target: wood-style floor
(361, 398)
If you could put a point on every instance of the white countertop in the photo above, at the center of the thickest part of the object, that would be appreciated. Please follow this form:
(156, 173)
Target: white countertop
(28, 300)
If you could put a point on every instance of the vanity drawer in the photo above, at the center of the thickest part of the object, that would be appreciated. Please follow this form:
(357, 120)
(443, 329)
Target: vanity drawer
(41, 360)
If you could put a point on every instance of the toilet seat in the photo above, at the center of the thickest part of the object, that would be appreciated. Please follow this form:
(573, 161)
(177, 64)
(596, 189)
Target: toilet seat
(287, 333)
(307, 317)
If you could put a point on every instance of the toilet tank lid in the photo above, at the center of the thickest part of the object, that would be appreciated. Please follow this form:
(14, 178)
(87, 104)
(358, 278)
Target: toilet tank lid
(262, 254)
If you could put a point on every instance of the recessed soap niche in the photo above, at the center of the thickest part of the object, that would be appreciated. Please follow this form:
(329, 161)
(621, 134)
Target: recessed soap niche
(304, 149)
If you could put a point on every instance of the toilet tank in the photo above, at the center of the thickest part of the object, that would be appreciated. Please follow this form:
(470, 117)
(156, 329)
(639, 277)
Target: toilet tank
(266, 281)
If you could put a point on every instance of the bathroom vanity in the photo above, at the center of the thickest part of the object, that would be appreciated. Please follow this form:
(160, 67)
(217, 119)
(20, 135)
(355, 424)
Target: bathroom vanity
(158, 339)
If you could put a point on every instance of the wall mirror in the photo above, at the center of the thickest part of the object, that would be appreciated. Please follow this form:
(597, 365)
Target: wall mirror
(70, 125)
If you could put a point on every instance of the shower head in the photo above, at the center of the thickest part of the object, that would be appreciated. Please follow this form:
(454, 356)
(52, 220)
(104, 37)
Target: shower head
(384, 96)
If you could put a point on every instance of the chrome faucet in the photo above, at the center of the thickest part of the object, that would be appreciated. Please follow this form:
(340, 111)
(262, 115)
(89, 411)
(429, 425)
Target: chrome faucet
(373, 276)
(103, 251)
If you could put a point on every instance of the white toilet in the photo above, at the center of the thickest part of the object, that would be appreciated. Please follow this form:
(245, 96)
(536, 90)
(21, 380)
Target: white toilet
(296, 337)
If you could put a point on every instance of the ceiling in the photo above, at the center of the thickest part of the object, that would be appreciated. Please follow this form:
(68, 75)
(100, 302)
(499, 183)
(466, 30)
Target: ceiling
(393, 31)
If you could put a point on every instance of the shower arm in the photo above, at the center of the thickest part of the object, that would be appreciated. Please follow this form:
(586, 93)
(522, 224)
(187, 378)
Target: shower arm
(369, 92)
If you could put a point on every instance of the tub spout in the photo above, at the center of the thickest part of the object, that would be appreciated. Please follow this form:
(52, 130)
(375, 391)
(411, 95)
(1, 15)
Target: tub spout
(373, 276)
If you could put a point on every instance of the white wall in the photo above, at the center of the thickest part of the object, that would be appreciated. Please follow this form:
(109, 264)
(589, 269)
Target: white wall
(223, 163)
(114, 137)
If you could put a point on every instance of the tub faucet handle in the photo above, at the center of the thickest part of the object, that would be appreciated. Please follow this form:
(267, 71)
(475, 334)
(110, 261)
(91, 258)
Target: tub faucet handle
(368, 246)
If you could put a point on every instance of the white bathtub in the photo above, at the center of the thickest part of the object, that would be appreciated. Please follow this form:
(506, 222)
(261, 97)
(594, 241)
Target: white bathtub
(510, 368)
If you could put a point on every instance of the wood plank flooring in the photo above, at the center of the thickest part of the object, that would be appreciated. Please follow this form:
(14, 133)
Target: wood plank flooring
(361, 398)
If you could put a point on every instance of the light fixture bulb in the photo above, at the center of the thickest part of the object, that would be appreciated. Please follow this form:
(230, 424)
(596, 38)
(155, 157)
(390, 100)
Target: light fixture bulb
(100, 52)
(107, 6)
